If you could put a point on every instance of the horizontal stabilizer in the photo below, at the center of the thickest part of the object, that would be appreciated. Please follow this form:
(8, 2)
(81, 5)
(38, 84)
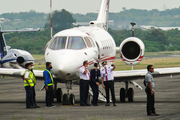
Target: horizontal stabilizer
(10, 31)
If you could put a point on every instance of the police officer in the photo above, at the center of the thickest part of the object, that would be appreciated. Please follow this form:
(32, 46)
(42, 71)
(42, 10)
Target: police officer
(33, 88)
(48, 83)
(28, 84)
(150, 91)
(94, 82)
(84, 83)
(107, 80)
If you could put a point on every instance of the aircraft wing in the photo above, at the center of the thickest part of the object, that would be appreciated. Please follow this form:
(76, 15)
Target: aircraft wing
(119, 76)
(129, 75)
(19, 72)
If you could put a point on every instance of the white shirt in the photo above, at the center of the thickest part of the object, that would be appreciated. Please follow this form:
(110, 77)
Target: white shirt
(82, 75)
(109, 73)
(27, 74)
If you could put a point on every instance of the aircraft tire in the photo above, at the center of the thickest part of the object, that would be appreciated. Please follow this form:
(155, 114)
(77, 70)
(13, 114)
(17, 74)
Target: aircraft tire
(122, 95)
(72, 99)
(59, 95)
(65, 97)
(130, 95)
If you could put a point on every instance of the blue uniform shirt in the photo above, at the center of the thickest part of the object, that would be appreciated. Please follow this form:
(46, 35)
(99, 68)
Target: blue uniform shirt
(149, 78)
(47, 78)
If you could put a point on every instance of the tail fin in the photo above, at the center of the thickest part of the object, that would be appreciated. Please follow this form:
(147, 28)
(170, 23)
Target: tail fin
(3, 49)
(102, 19)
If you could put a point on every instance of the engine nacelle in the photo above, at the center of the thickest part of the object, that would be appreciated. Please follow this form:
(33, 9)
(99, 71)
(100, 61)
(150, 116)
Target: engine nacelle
(132, 50)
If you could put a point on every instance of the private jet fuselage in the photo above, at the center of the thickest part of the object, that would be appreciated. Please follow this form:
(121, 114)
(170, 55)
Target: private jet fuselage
(68, 49)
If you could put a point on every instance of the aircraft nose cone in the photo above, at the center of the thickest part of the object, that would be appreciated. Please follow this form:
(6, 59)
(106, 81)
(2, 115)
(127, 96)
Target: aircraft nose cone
(65, 66)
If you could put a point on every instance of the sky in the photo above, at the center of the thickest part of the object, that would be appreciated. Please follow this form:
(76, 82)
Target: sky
(83, 6)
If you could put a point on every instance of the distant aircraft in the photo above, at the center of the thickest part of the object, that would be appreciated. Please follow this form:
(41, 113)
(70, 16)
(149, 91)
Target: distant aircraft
(69, 48)
(13, 58)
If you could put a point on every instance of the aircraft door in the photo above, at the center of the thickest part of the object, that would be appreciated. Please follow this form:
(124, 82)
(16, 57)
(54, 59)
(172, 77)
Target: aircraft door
(98, 52)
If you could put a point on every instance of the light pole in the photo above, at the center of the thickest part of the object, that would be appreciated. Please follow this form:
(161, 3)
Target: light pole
(51, 17)
(133, 24)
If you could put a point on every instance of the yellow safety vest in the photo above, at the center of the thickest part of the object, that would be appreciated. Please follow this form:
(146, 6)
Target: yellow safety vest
(30, 79)
(34, 79)
(50, 84)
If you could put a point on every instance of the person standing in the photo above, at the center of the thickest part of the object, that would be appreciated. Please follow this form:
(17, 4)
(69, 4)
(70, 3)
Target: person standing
(84, 83)
(28, 84)
(150, 91)
(94, 83)
(107, 80)
(33, 88)
(48, 83)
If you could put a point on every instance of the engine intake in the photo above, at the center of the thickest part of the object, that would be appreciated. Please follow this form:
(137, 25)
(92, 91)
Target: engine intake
(132, 50)
(20, 60)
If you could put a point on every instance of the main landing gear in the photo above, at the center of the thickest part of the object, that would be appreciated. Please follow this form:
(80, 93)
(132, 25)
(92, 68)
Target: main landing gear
(126, 93)
(66, 99)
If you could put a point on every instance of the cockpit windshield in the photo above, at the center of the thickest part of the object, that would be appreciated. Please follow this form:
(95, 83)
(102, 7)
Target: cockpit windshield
(58, 43)
(76, 43)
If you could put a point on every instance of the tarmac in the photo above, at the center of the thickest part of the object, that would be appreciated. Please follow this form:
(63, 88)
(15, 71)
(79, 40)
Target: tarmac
(167, 103)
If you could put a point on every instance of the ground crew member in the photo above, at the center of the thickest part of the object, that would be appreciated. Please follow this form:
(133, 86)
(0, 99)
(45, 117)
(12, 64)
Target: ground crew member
(94, 83)
(33, 88)
(107, 80)
(150, 91)
(48, 83)
(84, 83)
(28, 84)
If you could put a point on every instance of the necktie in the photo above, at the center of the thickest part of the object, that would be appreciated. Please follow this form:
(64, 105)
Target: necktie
(106, 74)
(89, 76)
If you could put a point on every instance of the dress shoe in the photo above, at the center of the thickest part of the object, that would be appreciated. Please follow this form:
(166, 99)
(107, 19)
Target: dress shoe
(29, 107)
(37, 106)
(95, 105)
(82, 104)
(114, 104)
(107, 104)
(155, 114)
(150, 114)
(88, 104)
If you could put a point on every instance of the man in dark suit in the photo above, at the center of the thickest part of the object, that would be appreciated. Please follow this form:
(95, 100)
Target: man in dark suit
(94, 83)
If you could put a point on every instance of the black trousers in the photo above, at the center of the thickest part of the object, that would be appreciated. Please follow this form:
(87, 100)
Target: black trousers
(110, 85)
(49, 96)
(34, 95)
(150, 102)
(84, 90)
(95, 90)
(29, 96)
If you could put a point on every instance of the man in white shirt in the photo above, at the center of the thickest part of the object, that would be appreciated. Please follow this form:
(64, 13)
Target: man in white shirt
(84, 83)
(107, 80)
(28, 84)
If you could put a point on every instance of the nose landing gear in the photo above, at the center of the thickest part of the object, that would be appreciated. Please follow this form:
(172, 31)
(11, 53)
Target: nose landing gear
(68, 99)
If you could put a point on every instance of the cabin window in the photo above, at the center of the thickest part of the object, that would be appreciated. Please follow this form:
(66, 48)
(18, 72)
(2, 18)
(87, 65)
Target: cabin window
(58, 43)
(88, 42)
(76, 43)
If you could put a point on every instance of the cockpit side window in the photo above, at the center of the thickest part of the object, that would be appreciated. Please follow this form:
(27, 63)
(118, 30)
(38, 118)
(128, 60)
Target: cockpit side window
(88, 42)
(76, 43)
(58, 43)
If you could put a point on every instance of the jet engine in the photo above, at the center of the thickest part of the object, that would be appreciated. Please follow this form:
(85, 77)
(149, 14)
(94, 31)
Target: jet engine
(132, 50)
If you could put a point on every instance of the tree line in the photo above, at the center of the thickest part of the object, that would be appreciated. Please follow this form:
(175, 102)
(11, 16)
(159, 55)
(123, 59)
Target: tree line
(154, 39)
(122, 19)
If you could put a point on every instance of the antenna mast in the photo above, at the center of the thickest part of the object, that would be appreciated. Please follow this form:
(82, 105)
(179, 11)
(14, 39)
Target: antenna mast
(51, 17)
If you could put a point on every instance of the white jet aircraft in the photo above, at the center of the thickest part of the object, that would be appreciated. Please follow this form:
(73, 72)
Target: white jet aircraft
(69, 48)
(13, 58)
